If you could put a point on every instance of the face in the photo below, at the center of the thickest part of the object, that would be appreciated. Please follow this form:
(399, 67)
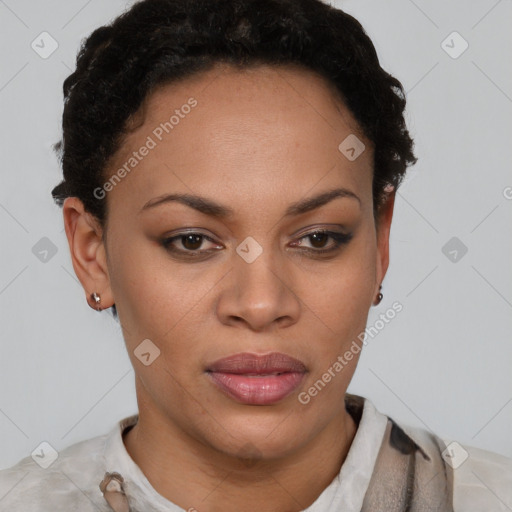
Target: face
(254, 268)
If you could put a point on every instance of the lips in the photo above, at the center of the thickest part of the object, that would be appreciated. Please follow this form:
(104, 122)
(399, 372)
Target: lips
(257, 379)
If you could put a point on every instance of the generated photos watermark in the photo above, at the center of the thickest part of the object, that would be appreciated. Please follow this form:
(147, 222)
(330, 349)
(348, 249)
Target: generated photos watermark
(157, 135)
(343, 360)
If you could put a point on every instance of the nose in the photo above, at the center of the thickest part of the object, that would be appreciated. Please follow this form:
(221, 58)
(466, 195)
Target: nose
(259, 294)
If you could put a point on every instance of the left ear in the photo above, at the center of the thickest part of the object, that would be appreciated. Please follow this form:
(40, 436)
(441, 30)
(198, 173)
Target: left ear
(383, 228)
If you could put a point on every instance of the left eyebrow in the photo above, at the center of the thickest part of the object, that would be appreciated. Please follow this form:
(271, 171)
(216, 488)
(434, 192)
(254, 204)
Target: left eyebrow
(310, 203)
(214, 209)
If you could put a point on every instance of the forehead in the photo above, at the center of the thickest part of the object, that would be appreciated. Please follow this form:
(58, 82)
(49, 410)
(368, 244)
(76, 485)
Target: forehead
(241, 134)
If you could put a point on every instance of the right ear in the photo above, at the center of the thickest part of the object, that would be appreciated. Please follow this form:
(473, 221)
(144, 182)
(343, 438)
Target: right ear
(85, 239)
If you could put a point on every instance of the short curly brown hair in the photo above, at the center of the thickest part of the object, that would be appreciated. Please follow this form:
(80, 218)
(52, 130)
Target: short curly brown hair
(161, 41)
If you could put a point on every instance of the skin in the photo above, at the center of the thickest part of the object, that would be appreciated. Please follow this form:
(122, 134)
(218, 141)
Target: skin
(257, 141)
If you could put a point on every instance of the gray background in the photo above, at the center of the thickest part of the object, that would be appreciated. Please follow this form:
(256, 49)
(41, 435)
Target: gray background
(444, 362)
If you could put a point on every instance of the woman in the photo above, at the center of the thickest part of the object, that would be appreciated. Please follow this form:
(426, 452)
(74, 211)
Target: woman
(230, 169)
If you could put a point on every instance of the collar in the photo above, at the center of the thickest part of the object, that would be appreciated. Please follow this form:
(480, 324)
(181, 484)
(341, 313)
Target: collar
(124, 484)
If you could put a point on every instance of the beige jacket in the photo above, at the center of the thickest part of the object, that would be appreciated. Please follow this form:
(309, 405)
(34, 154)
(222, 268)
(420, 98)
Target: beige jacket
(389, 467)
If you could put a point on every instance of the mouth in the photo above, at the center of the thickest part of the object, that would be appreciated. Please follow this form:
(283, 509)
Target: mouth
(257, 379)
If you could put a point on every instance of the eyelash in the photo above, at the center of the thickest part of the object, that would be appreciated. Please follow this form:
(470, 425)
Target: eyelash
(340, 239)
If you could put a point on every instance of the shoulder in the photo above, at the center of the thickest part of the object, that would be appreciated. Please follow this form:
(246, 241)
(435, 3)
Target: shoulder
(45, 483)
(482, 480)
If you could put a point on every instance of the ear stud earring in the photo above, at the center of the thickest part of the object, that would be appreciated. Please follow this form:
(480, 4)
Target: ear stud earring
(97, 300)
(377, 301)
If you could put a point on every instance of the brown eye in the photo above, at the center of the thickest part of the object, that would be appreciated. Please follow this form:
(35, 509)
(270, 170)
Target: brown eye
(192, 241)
(188, 244)
(319, 238)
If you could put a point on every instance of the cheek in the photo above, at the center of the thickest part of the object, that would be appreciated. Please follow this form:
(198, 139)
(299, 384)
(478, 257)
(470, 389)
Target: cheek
(161, 300)
(338, 301)
(342, 292)
(142, 284)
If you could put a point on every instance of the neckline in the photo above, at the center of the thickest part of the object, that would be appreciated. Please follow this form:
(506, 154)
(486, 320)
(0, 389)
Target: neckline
(355, 472)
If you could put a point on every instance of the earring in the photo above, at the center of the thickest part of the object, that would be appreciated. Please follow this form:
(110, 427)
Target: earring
(379, 297)
(97, 299)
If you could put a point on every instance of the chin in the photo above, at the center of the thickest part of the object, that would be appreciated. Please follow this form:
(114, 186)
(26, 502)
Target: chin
(259, 434)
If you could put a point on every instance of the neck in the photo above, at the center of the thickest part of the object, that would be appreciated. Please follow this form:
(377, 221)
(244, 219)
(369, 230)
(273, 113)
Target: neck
(199, 478)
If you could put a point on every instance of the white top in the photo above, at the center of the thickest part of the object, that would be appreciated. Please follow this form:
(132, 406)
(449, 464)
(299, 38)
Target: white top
(482, 480)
